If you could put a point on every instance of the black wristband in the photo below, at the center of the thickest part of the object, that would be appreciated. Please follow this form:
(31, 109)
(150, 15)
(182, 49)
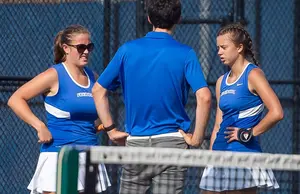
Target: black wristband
(245, 135)
(109, 128)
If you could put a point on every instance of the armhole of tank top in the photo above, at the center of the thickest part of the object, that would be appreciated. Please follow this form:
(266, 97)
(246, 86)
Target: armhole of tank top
(248, 82)
(58, 88)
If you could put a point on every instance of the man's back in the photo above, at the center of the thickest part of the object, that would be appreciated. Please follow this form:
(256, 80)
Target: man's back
(156, 73)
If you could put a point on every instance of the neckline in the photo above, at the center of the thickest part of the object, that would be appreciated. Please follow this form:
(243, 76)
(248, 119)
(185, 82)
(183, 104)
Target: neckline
(159, 35)
(78, 84)
(229, 84)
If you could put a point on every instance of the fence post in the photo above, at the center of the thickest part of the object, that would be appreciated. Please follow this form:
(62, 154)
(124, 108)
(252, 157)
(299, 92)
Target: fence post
(141, 19)
(106, 49)
(296, 88)
(240, 12)
(257, 29)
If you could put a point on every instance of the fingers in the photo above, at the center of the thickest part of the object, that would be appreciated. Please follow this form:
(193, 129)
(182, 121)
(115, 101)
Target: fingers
(121, 135)
(232, 128)
(231, 134)
(182, 132)
(117, 136)
(45, 141)
(231, 139)
(185, 134)
(187, 137)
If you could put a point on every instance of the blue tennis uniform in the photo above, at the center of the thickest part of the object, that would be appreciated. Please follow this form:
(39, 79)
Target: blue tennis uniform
(156, 73)
(71, 112)
(241, 109)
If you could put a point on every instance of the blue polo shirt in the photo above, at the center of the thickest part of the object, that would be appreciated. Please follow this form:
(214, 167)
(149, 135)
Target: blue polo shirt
(156, 73)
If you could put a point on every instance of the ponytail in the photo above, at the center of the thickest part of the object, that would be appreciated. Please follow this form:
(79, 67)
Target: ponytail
(59, 53)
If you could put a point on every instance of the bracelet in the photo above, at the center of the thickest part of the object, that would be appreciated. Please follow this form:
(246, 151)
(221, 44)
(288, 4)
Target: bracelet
(109, 128)
(245, 135)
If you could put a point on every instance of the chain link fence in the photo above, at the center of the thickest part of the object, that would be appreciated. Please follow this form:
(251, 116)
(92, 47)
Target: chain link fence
(28, 28)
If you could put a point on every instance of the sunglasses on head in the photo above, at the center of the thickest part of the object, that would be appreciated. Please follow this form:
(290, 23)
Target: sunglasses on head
(82, 47)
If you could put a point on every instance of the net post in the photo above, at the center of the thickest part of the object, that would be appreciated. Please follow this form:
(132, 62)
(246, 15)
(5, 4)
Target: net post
(67, 171)
(91, 171)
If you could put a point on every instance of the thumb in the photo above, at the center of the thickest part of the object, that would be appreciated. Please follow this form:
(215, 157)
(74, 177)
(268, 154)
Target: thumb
(182, 132)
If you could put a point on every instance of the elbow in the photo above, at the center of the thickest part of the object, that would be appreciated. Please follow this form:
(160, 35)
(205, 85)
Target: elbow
(205, 96)
(278, 115)
(10, 101)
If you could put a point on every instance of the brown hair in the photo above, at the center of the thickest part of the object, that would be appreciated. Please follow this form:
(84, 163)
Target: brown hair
(65, 37)
(240, 36)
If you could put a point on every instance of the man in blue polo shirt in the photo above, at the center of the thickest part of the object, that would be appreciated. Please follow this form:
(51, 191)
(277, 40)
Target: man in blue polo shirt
(156, 73)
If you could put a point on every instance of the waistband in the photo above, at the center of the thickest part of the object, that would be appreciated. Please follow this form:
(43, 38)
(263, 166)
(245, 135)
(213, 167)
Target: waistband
(174, 134)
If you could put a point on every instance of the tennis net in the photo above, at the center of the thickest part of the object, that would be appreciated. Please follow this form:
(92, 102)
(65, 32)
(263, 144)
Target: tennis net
(169, 170)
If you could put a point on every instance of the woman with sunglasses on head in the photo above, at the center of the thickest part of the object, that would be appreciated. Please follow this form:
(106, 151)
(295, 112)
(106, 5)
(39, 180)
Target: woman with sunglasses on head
(242, 93)
(71, 112)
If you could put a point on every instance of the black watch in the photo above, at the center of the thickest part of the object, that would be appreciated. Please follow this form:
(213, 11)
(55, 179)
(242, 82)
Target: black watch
(109, 128)
(245, 135)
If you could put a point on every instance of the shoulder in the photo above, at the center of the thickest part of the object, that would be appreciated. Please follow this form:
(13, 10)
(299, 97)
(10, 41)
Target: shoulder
(218, 86)
(50, 73)
(255, 73)
(46, 78)
(184, 48)
(131, 43)
(57, 67)
(188, 52)
(219, 81)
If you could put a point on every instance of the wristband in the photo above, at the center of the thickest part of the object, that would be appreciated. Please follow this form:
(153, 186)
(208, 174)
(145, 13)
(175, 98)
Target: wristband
(107, 129)
(245, 135)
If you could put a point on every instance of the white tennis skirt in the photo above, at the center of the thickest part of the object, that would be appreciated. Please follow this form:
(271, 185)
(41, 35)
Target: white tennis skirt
(226, 179)
(44, 178)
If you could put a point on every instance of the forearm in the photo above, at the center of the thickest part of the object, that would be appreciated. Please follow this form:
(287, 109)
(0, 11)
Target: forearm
(266, 123)
(212, 139)
(22, 110)
(102, 106)
(104, 111)
(202, 117)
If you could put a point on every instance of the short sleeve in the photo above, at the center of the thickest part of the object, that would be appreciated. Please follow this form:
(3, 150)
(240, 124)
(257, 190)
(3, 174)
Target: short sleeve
(193, 72)
(109, 78)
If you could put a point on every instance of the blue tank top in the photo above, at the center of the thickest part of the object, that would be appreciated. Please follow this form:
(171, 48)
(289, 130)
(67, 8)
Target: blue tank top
(241, 109)
(71, 112)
